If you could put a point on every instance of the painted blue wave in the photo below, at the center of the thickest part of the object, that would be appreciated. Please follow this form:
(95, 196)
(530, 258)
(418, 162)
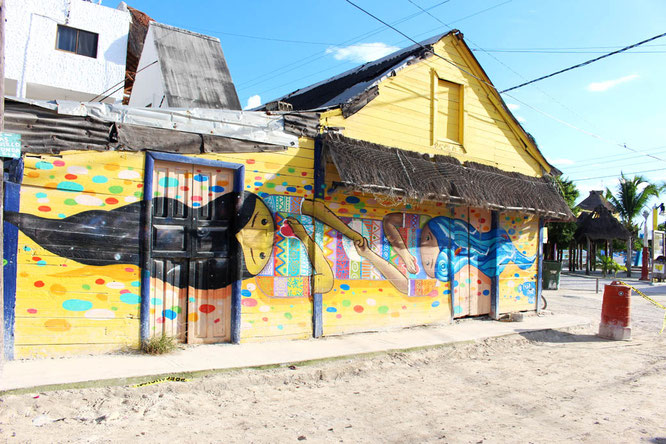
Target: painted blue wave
(453, 256)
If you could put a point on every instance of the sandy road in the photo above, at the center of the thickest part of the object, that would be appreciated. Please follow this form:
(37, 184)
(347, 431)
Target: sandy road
(540, 387)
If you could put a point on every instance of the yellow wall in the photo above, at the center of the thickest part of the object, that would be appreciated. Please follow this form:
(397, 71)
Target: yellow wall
(401, 116)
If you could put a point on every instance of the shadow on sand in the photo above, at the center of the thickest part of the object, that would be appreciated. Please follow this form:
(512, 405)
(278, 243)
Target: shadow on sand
(555, 336)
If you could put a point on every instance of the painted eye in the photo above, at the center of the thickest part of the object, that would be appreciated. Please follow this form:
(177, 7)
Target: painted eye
(264, 221)
(262, 255)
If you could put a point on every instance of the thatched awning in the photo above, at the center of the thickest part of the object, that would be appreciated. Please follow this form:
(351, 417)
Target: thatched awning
(375, 168)
(599, 224)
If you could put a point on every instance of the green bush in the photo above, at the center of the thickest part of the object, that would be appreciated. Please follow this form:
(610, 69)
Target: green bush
(159, 345)
(608, 265)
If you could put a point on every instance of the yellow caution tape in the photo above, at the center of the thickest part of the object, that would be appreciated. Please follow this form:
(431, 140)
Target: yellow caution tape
(159, 381)
(644, 296)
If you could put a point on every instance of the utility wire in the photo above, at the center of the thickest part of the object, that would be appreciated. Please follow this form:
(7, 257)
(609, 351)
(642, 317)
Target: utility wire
(615, 175)
(122, 83)
(626, 48)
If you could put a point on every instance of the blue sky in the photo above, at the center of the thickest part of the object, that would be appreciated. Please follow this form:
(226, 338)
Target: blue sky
(578, 118)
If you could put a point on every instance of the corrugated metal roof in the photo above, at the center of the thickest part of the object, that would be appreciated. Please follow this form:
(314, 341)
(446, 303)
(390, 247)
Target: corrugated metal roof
(345, 87)
(194, 71)
(65, 125)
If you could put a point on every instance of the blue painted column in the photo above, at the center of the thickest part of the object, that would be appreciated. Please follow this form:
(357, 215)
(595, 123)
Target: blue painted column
(494, 279)
(12, 195)
(539, 275)
(319, 192)
(146, 240)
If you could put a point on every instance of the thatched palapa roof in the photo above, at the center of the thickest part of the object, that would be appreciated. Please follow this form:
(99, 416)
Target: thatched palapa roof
(599, 224)
(375, 168)
(595, 199)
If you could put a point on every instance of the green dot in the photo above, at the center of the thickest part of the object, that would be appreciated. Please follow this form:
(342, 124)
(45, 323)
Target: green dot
(291, 170)
(115, 189)
(288, 315)
(130, 168)
(70, 202)
(383, 309)
(4, 262)
(114, 308)
(51, 176)
(176, 309)
(86, 287)
(138, 194)
(89, 167)
(270, 185)
(346, 303)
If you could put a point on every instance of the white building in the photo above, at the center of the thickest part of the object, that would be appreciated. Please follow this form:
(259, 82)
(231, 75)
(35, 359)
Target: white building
(65, 49)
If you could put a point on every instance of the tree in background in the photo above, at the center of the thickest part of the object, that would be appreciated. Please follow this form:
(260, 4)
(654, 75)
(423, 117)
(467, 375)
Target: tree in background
(561, 234)
(630, 198)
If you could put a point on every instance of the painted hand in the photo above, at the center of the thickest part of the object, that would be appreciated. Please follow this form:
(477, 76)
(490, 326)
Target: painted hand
(412, 263)
(297, 228)
(362, 247)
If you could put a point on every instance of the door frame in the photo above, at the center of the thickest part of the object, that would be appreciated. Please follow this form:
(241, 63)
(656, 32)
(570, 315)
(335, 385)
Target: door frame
(146, 238)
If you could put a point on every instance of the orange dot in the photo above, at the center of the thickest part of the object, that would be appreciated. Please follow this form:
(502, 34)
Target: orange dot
(58, 290)
(193, 317)
(102, 296)
(111, 167)
(33, 174)
(57, 325)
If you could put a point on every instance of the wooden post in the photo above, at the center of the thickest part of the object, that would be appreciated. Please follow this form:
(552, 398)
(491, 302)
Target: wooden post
(628, 262)
(587, 259)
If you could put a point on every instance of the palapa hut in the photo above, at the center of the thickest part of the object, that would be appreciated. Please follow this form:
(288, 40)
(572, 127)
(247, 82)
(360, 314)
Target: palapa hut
(594, 226)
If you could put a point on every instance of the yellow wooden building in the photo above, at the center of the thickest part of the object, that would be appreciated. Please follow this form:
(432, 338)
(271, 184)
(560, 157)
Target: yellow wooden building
(400, 193)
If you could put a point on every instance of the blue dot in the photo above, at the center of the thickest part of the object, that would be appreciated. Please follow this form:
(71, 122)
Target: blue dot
(344, 287)
(168, 182)
(457, 309)
(100, 179)
(280, 327)
(156, 301)
(41, 165)
(130, 298)
(70, 186)
(136, 283)
(331, 309)
(41, 263)
(352, 199)
(308, 187)
(455, 284)
(40, 195)
(216, 189)
(512, 231)
(262, 194)
(196, 204)
(246, 293)
(200, 178)
(61, 216)
(258, 184)
(435, 304)
(486, 292)
(291, 189)
(516, 275)
(77, 305)
(363, 210)
(446, 292)
(169, 314)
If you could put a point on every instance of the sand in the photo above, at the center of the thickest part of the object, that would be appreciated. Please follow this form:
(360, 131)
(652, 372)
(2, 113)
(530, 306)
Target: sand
(544, 387)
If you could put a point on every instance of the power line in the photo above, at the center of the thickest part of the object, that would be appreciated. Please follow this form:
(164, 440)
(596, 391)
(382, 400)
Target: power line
(626, 48)
(262, 77)
(615, 175)
(513, 51)
(603, 161)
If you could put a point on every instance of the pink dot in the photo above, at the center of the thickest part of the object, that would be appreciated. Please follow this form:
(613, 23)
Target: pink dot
(124, 291)
(129, 270)
(58, 163)
(249, 302)
(159, 320)
(32, 310)
(196, 199)
(338, 315)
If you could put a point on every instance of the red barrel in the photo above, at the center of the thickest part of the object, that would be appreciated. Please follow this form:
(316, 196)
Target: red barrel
(616, 312)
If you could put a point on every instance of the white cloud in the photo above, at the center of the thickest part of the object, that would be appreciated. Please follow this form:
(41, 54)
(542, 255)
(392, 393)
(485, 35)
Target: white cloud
(563, 162)
(253, 101)
(363, 52)
(512, 106)
(608, 84)
(520, 119)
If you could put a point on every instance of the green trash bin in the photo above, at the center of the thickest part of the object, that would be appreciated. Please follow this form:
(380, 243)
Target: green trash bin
(550, 276)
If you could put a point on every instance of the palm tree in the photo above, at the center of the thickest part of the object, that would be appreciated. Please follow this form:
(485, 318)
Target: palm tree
(629, 201)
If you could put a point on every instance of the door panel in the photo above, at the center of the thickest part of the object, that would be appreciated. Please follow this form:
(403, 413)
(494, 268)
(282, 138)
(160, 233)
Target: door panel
(480, 283)
(461, 280)
(192, 222)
